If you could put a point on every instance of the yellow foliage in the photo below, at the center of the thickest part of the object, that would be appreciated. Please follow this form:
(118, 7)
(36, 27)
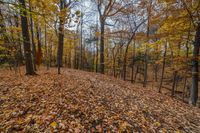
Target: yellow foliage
(54, 124)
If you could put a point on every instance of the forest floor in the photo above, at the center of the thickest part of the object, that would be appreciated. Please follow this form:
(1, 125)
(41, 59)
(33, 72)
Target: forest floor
(78, 101)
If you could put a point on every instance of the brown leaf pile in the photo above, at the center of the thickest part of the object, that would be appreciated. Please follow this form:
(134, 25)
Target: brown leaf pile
(79, 101)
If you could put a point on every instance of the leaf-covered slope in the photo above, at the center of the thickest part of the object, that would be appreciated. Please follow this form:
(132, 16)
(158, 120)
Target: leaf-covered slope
(79, 101)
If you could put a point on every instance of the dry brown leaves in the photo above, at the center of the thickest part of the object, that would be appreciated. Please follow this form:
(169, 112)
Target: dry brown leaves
(79, 101)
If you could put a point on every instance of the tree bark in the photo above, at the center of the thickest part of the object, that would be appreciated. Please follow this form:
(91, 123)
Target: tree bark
(32, 38)
(102, 47)
(195, 71)
(125, 61)
(46, 48)
(146, 49)
(174, 83)
(26, 39)
(163, 68)
(81, 44)
(60, 38)
(39, 46)
(97, 50)
(133, 62)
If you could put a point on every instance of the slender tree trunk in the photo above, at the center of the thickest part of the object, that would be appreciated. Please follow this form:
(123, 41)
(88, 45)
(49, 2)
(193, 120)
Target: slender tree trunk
(114, 67)
(156, 72)
(81, 44)
(163, 69)
(19, 57)
(97, 54)
(50, 54)
(26, 39)
(39, 51)
(125, 61)
(46, 47)
(60, 38)
(132, 73)
(146, 49)
(102, 47)
(114, 61)
(186, 71)
(195, 71)
(145, 68)
(32, 37)
(133, 62)
(174, 83)
(69, 56)
(136, 73)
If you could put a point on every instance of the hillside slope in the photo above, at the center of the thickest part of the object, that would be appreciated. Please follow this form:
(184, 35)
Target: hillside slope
(78, 101)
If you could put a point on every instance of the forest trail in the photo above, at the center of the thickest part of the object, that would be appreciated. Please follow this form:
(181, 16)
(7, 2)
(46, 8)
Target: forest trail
(78, 101)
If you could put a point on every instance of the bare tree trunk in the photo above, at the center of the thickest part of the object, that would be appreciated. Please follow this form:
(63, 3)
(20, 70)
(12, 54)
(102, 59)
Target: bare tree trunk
(195, 71)
(145, 68)
(46, 48)
(20, 54)
(81, 44)
(136, 73)
(26, 39)
(133, 62)
(114, 61)
(39, 51)
(60, 38)
(125, 61)
(97, 51)
(186, 71)
(70, 56)
(102, 47)
(174, 83)
(146, 49)
(50, 54)
(163, 68)
(32, 37)
(156, 67)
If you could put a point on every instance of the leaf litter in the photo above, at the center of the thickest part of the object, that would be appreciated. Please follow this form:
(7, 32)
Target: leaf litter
(78, 101)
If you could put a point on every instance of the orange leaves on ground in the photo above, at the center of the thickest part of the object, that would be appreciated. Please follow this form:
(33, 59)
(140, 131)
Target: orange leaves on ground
(79, 101)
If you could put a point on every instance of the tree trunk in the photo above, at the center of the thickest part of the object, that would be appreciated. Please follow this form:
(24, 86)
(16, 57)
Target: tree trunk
(174, 83)
(163, 69)
(195, 71)
(97, 54)
(19, 49)
(186, 71)
(114, 61)
(46, 48)
(39, 51)
(145, 68)
(146, 49)
(50, 54)
(125, 61)
(133, 62)
(102, 47)
(81, 44)
(32, 38)
(60, 38)
(136, 73)
(26, 39)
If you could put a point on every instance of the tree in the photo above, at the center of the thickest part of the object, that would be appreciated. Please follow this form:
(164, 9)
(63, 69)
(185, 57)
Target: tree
(195, 9)
(106, 9)
(26, 39)
(64, 15)
(61, 35)
(195, 65)
(32, 37)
